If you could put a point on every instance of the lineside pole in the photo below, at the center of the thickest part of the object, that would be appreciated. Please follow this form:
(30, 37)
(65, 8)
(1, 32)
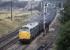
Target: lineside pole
(31, 8)
(11, 11)
(44, 18)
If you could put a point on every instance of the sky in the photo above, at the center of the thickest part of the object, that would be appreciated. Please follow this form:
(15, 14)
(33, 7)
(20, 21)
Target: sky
(29, 0)
(22, 0)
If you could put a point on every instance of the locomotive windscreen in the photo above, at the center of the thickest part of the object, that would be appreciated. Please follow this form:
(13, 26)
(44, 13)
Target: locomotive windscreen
(24, 29)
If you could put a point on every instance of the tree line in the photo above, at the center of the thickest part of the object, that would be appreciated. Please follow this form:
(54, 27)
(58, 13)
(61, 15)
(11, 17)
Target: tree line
(63, 40)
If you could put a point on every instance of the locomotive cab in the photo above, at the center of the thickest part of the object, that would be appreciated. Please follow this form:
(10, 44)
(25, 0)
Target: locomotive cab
(24, 34)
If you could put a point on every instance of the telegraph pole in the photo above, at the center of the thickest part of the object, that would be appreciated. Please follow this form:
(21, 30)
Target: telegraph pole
(41, 7)
(31, 7)
(11, 11)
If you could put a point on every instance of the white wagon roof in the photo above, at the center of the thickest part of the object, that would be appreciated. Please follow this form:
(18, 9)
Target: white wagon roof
(31, 25)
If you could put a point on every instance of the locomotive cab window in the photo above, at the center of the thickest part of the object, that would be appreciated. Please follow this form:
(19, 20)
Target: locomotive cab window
(24, 29)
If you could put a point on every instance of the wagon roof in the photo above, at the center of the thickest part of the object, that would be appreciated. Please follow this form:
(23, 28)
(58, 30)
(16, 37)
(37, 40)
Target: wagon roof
(31, 25)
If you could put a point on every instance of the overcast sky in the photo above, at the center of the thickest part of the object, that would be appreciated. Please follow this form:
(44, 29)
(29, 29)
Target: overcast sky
(28, 0)
(22, 0)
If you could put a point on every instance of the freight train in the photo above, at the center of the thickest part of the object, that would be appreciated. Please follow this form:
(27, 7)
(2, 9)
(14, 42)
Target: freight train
(30, 31)
(33, 29)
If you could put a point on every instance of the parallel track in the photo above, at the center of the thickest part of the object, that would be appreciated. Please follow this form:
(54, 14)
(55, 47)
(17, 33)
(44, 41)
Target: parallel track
(10, 35)
(8, 39)
(6, 44)
(17, 46)
(22, 47)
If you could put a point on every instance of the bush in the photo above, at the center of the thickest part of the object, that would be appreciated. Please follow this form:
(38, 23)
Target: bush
(63, 42)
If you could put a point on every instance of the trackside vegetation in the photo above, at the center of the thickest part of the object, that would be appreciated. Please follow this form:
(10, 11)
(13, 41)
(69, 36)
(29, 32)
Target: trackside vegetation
(63, 40)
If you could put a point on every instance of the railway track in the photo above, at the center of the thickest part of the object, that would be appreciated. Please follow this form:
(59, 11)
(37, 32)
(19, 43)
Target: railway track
(8, 39)
(18, 46)
(46, 45)
(22, 47)
(10, 35)
(5, 44)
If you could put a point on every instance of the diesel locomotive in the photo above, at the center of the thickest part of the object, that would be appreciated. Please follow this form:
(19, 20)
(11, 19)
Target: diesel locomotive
(30, 31)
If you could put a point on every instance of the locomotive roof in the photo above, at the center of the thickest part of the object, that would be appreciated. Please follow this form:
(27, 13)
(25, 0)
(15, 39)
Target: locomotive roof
(31, 25)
